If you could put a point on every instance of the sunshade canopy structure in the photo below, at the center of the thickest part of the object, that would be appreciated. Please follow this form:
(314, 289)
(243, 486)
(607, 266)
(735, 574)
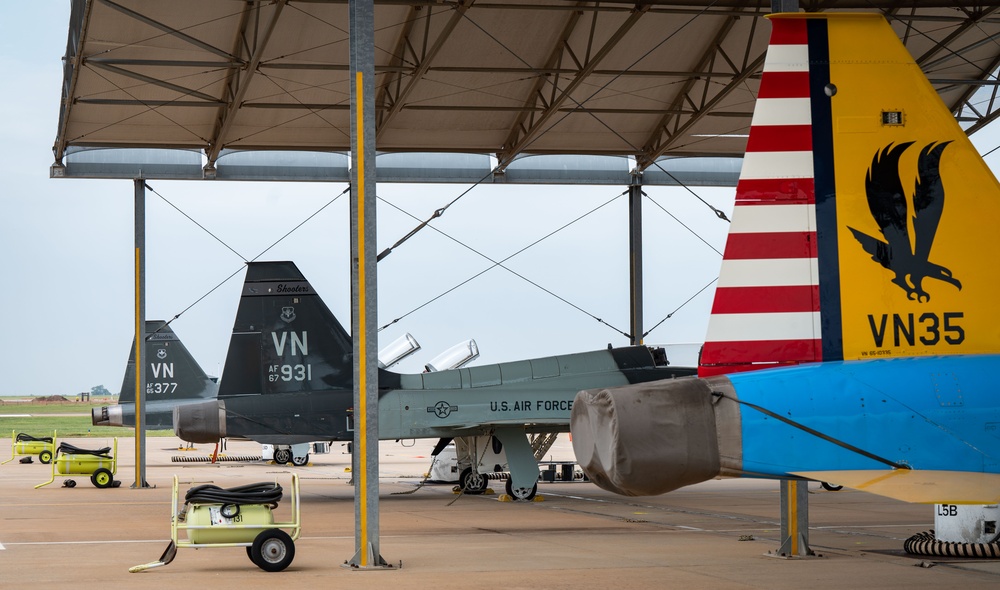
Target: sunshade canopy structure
(259, 89)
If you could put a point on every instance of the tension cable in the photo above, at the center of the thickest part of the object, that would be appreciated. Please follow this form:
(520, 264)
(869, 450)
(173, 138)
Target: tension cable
(815, 433)
(501, 265)
(237, 271)
(671, 314)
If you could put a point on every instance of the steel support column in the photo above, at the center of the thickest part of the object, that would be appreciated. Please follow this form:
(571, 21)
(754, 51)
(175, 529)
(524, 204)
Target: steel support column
(794, 520)
(363, 286)
(140, 332)
(635, 257)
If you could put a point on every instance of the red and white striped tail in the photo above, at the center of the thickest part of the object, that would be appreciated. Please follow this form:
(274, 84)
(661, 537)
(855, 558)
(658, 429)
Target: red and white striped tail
(766, 309)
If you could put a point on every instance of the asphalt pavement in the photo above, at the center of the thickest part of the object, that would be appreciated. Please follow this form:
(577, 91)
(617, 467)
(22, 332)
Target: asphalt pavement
(719, 534)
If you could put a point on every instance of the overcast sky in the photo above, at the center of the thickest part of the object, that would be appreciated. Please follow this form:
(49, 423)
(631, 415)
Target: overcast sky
(67, 245)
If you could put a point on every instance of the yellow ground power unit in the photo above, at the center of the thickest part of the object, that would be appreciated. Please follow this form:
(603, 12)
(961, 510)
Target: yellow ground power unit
(26, 445)
(235, 517)
(100, 464)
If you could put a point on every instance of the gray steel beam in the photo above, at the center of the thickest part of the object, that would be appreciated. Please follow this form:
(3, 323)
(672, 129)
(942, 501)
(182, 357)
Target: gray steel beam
(169, 30)
(397, 68)
(139, 194)
(554, 59)
(421, 70)
(657, 145)
(243, 84)
(784, 5)
(364, 304)
(993, 112)
(635, 258)
(79, 22)
(958, 32)
(520, 138)
(153, 81)
(794, 520)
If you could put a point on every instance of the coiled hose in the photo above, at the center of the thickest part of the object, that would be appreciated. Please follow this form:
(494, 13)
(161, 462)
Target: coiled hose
(926, 543)
(22, 437)
(68, 449)
(268, 493)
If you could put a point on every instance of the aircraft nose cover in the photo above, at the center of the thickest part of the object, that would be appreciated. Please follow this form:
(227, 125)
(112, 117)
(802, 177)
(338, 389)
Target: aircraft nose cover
(648, 438)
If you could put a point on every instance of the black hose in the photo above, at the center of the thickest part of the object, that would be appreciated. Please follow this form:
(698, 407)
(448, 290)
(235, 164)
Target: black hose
(926, 543)
(22, 437)
(254, 493)
(68, 449)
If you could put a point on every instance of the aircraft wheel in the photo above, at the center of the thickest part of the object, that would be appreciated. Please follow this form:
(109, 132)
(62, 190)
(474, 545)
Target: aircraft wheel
(830, 487)
(102, 478)
(300, 461)
(282, 456)
(45, 457)
(521, 493)
(272, 550)
(472, 482)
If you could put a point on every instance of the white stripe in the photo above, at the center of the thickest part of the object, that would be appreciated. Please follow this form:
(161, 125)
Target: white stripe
(749, 219)
(781, 111)
(2, 548)
(730, 327)
(762, 165)
(777, 272)
(787, 58)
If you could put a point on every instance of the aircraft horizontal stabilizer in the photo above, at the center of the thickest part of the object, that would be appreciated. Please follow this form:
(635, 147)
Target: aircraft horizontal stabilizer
(917, 485)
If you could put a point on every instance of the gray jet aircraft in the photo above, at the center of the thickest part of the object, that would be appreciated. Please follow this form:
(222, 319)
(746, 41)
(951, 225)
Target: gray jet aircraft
(289, 374)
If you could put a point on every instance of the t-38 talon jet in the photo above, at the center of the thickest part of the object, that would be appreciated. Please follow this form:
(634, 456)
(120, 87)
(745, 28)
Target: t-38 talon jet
(857, 185)
(173, 378)
(289, 376)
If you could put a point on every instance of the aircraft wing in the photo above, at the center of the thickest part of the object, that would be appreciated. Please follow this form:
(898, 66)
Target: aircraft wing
(918, 486)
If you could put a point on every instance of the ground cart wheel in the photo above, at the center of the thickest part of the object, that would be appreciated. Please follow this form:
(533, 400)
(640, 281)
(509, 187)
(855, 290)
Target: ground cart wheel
(102, 478)
(282, 456)
(45, 457)
(272, 550)
(521, 493)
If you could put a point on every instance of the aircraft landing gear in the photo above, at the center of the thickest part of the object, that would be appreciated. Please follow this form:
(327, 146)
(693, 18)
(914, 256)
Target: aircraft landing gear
(472, 482)
(521, 493)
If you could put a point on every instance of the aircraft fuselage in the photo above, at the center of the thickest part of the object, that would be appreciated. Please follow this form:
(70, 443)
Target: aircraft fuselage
(536, 395)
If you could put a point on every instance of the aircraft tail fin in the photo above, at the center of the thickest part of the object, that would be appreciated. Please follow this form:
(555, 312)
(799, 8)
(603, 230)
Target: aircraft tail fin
(858, 187)
(172, 375)
(285, 339)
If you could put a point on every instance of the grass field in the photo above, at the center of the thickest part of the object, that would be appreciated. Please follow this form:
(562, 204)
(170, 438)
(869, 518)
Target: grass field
(68, 418)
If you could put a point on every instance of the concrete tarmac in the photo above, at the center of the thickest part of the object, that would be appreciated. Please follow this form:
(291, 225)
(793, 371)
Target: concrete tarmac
(714, 535)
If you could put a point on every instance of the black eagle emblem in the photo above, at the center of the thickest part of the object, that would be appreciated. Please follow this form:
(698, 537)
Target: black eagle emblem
(888, 205)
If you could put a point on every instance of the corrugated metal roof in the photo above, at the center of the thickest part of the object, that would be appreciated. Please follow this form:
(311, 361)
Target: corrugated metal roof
(505, 77)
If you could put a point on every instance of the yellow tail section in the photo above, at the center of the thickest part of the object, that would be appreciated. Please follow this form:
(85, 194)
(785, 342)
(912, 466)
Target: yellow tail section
(864, 218)
(916, 233)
